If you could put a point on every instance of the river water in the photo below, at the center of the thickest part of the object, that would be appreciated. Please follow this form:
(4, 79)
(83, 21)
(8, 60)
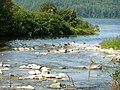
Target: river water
(99, 80)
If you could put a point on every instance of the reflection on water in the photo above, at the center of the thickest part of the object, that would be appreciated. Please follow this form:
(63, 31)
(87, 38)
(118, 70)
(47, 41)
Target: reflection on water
(109, 28)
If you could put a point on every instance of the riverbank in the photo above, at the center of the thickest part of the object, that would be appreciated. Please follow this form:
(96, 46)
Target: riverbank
(111, 43)
(110, 52)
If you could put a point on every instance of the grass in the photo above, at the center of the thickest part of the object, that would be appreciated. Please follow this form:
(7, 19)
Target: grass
(111, 43)
(115, 44)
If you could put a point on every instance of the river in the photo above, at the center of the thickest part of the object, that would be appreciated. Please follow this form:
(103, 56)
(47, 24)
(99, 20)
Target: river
(99, 80)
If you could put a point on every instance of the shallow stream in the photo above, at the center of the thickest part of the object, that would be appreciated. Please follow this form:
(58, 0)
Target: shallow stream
(99, 79)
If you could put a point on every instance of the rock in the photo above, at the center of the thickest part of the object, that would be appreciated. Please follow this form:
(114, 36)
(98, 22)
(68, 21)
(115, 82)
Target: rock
(2, 54)
(33, 66)
(49, 75)
(29, 77)
(12, 75)
(103, 56)
(62, 67)
(31, 72)
(34, 72)
(20, 49)
(53, 80)
(4, 65)
(20, 78)
(5, 68)
(37, 53)
(55, 86)
(45, 70)
(37, 72)
(60, 76)
(23, 67)
(116, 58)
(29, 87)
(95, 54)
(39, 77)
(0, 71)
(30, 66)
(1, 64)
(23, 48)
(32, 77)
(81, 67)
(95, 67)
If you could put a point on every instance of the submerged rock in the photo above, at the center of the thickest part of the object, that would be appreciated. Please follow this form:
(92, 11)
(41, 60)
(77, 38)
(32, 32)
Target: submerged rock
(55, 86)
(98, 66)
(32, 77)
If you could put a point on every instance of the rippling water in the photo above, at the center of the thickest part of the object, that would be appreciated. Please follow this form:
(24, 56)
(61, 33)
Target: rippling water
(109, 28)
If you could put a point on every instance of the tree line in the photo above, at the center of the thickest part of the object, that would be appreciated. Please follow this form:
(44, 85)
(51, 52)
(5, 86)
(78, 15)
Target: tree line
(84, 8)
(45, 20)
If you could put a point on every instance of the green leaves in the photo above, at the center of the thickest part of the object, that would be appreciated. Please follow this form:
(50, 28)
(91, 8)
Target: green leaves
(46, 20)
(47, 7)
(6, 21)
(84, 8)
(68, 15)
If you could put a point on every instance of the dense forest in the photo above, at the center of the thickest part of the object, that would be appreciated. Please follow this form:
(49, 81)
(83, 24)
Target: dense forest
(45, 20)
(84, 8)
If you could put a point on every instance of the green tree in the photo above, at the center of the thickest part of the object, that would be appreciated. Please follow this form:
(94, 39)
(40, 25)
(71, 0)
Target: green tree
(47, 7)
(68, 15)
(19, 22)
(84, 8)
(6, 22)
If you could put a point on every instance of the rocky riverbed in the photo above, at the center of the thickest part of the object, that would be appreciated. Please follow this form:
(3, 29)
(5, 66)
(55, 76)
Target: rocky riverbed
(43, 73)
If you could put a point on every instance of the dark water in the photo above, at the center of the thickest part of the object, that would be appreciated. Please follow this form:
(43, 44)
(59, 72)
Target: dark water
(109, 28)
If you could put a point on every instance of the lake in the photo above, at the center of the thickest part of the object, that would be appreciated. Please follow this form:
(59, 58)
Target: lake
(99, 79)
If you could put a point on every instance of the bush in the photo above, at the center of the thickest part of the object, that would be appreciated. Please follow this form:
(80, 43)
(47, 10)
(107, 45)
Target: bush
(46, 20)
(112, 43)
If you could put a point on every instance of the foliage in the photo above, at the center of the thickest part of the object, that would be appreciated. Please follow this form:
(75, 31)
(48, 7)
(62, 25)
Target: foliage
(5, 16)
(114, 43)
(115, 85)
(84, 8)
(44, 21)
(116, 75)
(68, 15)
(47, 7)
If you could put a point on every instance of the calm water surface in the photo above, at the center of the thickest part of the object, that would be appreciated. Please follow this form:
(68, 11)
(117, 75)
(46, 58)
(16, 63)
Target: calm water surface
(109, 28)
